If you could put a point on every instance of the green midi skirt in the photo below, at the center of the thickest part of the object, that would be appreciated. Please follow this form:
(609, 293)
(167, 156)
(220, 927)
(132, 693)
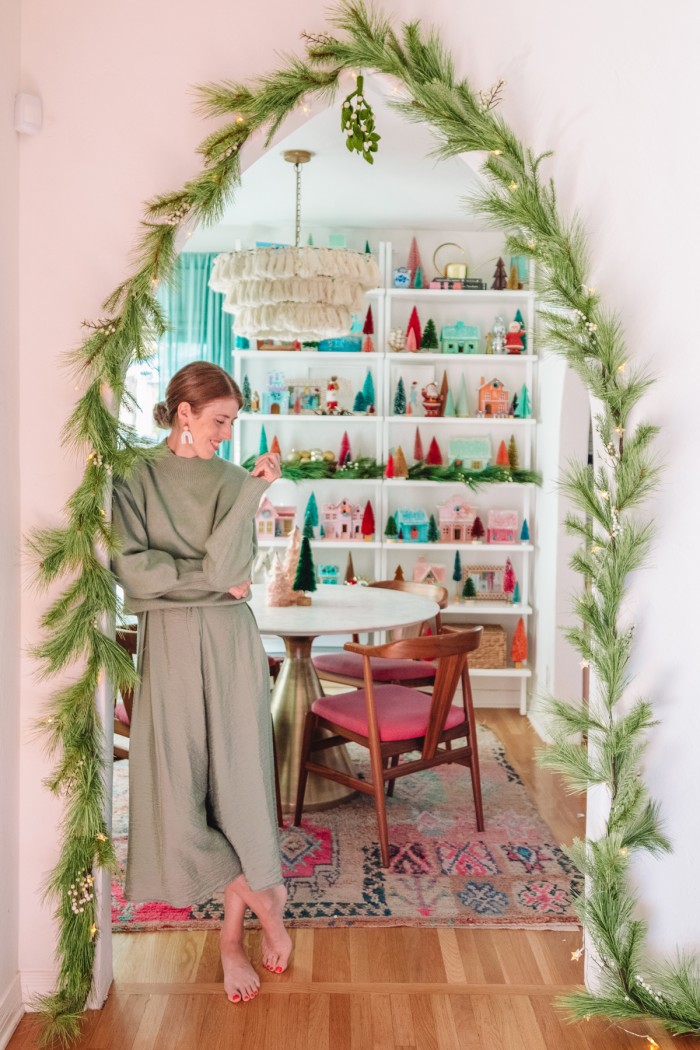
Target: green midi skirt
(201, 778)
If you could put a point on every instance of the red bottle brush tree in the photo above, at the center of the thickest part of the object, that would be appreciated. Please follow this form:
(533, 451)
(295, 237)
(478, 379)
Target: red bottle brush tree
(368, 326)
(518, 649)
(508, 578)
(389, 471)
(478, 530)
(414, 326)
(418, 453)
(502, 455)
(367, 527)
(275, 446)
(434, 457)
(345, 454)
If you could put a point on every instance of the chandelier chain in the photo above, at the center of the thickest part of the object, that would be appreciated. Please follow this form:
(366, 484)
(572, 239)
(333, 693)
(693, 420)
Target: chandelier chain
(297, 230)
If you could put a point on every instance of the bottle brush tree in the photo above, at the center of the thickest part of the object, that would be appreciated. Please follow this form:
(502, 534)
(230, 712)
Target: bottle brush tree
(368, 390)
(469, 590)
(518, 649)
(400, 398)
(390, 529)
(508, 578)
(246, 394)
(478, 531)
(359, 404)
(418, 453)
(433, 532)
(305, 578)
(311, 511)
(513, 457)
(367, 527)
(434, 457)
(414, 326)
(345, 454)
(429, 339)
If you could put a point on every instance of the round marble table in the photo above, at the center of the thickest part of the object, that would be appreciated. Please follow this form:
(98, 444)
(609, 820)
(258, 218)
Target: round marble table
(334, 610)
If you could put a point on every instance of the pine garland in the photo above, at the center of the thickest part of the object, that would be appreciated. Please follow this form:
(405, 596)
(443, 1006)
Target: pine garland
(577, 326)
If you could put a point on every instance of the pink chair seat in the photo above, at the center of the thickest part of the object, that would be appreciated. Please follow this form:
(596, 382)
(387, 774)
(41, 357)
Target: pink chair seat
(401, 713)
(351, 665)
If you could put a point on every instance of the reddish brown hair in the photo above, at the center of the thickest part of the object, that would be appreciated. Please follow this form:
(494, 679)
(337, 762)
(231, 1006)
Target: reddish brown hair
(198, 383)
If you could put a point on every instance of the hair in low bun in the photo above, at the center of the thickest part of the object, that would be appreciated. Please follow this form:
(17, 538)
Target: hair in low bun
(197, 383)
(161, 415)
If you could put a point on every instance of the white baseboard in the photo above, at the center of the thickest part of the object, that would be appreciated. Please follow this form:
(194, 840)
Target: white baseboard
(11, 1010)
(36, 982)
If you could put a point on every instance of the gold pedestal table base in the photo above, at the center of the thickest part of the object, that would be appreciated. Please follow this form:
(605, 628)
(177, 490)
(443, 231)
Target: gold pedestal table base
(334, 610)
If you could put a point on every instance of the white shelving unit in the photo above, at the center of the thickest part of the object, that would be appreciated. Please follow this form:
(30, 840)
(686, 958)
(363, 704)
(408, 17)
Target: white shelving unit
(375, 435)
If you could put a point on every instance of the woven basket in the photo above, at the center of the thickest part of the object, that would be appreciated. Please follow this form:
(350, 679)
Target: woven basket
(492, 651)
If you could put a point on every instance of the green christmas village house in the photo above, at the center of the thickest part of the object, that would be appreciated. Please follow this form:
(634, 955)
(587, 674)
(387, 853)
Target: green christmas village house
(460, 338)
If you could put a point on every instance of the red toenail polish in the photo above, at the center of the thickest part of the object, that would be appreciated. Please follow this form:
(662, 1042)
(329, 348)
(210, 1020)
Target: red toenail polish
(278, 970)
(236, 999)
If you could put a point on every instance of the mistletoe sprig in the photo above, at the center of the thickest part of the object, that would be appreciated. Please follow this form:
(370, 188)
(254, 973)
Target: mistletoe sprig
(357, 121)
(613, 542)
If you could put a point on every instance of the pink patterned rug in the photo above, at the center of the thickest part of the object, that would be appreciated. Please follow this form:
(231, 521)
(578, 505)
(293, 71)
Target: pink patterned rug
(443, 871)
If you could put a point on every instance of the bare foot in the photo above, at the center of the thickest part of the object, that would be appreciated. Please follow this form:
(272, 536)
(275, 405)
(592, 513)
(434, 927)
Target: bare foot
(268, 905)
(241, 982)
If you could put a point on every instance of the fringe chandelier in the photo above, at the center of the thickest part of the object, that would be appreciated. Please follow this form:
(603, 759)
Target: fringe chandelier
(294, 293)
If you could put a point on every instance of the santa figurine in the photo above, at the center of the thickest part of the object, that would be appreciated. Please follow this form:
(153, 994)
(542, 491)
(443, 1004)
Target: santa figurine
(514, 338)
(332, 394)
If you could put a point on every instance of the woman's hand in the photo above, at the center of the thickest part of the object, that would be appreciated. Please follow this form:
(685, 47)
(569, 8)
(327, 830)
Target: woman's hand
(240, 590)
(267, 466)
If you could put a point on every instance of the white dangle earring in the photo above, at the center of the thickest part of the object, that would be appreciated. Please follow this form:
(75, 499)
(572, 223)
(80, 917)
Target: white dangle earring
(186, 438)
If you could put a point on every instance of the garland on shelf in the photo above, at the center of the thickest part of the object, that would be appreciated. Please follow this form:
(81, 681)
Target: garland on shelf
(313, 469)
(613, 543)
(473, 478)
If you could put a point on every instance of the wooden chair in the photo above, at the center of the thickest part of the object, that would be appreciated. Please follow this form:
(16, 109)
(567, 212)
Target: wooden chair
(347, 667)
(127, 638)
(391, 720)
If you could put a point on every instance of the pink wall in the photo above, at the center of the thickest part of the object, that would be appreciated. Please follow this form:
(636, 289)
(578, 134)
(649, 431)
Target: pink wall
(9, 519)
(606, 87)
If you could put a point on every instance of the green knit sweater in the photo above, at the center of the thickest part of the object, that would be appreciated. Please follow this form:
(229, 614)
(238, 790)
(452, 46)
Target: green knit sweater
(186, 531)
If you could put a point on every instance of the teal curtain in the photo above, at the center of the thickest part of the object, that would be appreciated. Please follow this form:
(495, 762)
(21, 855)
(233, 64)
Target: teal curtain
(199, 329)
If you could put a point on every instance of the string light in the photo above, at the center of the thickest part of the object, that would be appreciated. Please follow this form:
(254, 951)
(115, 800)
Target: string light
(584, 664)
(622, 367)
(513, 186)
(575, 956)
(497, 152)
(93, 932)
(101, 837)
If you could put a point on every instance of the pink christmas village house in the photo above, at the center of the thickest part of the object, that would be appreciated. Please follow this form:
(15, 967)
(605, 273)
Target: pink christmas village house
(428, 572)
(341, 521)
(493, 398)
(502, 526)
(273, 522)
(455, 517)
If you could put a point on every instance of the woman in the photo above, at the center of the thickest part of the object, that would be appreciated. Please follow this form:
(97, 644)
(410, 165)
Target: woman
(201, 778)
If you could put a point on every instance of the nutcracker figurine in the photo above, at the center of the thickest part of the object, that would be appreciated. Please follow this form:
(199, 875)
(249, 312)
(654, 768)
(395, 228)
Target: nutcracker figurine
(332, 394)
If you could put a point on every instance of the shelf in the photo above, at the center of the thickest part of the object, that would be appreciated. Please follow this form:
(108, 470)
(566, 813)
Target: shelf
(461, 295)
(507, 548)
(477, 421)
(402, 355)
(355, 356)
(266, 417)
(349, 545)
(334, 479)
(477, 608)
(443, 484)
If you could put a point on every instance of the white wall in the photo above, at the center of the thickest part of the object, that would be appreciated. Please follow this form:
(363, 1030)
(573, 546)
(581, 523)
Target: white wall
(9, 521)
(610, 87)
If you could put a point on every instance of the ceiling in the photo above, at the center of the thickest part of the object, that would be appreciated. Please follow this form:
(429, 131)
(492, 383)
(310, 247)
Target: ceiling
(404, 188)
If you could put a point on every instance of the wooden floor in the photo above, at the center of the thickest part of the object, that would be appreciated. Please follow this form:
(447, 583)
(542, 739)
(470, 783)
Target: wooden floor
(366, 989)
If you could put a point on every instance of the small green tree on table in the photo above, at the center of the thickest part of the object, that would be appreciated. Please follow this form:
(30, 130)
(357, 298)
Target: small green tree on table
(433, 534)
(246, 394)
(305, 579)
(311, 511)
